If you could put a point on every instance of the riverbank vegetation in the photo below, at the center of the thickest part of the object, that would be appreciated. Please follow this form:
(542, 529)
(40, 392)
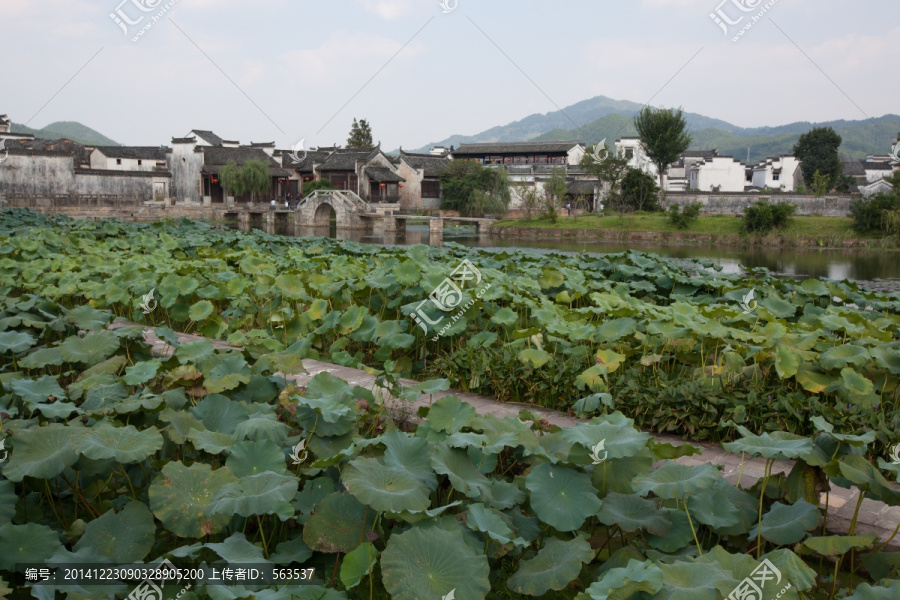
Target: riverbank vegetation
(203, 455)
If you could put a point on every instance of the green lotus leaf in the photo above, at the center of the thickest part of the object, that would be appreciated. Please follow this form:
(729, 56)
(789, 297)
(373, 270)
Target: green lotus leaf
(555, 567)
(125, 445)
(609, 360)
(864, 474)
(338, 524)
(411, 454)
(674, 480)
(291, 551)
(778, 307)
(357, 564)
(859, 388)
(42, 357)
(220, 413)
(351, 319)
(886, 590)
(37, 391)
(842, 356)
(309, 497)
(227, 375)
(561, 497)
(91, 349)
(126, 536)
(254, 457)
(838, 545)
(291, 286)
(385, 488)
(181, 498)
(458, 467)
(140, 373)
(788, 524)
(625, 583)
(197, 352)
(779, 445)
(483, 339)
(317, 310)
(802, 576)
(43, 452)
(8, 501)
(210, 441)
(615, 329)
(433, 563)
(261, 494)
(616, 475)
(632, 513)
(261, 425)
(535, 358)
(450, 414)
(786, 361)
(15, 342)
(491, 522)
(593, 378)
(694, 581)
(886, 358)
(89, 318)
(236, 549)
(679, 536)
(104, 397)
(619, 436)
(328, 406)
(180, 424)
(854, 440)
(505, 316)
(713, 507)
(27, 544)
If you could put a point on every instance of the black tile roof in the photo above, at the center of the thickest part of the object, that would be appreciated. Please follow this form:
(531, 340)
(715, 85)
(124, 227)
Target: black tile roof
(854, 168)
(216, 157)
(261, 145)
(346, 160)
(383, 175)
(432, 164)
(81, 153)
(877, 166)
(209, 136)
(514, 148)
(4, 120)
(140, 152)
(700, 153)
(186, 140)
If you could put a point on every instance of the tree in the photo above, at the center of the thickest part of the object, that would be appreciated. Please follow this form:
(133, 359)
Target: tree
(639, 191)
(475, 190)
(318, 184)
(555, 190)
(360, 135)
(664, 138)
(821, 184)
(529, 198)
(231, 181)
(256, 177)
(607, 168)
(817, 151)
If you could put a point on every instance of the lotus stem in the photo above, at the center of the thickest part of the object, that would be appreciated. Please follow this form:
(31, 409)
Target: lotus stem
(762, 495)
(262, 534)
(691, 523)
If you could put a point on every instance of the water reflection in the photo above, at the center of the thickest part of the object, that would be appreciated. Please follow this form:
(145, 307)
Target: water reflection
(838, 264)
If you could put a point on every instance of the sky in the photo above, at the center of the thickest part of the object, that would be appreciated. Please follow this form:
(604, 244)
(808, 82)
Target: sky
(420, 71)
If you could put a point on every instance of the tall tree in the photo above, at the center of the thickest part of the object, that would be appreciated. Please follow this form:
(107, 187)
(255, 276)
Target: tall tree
(230, 179)
(473, 189)
(555, 190)
(608, 168)
(360, 135)
(256, 177)
(817, 152)
(664, 138)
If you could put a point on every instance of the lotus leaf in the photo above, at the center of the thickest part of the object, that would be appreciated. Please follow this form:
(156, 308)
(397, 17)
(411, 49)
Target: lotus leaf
(837, 545)
(254, 457)
(338, 524)
(357, 564)
(126, 445)
(624, 583)
(43, 452)
(631, 513)
(778, 445)
(693, 581)
(561, 497)
(237, 549)
(431, 564)
(91, 349)
(674, 480)
(26, 544)
(555, 566)
(463, 473)
(450, 414)
(15, 342)
(385, 488)
(181, 498)
(788, 524)
(126, 536)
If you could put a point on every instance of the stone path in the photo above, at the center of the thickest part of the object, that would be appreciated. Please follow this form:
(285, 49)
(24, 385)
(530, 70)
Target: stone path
(874, 517)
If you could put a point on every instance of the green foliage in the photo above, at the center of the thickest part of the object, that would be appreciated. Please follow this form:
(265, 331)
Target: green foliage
(664, 136)
(360, 135)
(231, 180)
(875, 214)
(762, 217)
(639, 191)
(817, 151)
(474, 189)
(250, 178)
(319, 184)
(682, 218)
(554, 193)
(821, 184)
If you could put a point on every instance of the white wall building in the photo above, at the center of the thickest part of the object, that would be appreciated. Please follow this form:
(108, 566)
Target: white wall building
(778, 173)
(717, 174)
(129, 158)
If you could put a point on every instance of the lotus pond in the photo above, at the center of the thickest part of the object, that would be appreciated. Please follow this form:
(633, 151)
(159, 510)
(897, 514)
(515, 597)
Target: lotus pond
(117, 455)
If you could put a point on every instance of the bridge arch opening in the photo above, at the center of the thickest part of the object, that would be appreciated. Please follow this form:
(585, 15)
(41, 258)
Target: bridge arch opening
(325, 215)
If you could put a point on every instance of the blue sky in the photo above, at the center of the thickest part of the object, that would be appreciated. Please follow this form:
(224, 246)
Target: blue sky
(284, 70)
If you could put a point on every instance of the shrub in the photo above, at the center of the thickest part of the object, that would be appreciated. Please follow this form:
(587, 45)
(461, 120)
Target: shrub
(640, 191)
(763, 217)
(319, 184)
(683, 217)
(869, 213)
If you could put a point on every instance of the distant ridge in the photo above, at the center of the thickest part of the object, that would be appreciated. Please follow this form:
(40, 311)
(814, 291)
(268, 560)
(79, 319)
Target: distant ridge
(70, 130)
(604, 118)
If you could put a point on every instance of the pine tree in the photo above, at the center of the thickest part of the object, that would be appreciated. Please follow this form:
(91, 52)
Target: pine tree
(360, 135)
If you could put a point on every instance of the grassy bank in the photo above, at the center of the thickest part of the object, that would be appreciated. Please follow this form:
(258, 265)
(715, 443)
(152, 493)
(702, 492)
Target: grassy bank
(713, 224)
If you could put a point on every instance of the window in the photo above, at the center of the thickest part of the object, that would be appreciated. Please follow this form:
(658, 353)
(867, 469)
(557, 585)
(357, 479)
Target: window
(430, 189)
(776, 177)
(629, 152)
(118, 161)
(140, 162)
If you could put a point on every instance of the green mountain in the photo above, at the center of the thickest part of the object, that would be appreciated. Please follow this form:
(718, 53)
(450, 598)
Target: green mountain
(604, 118)
(67, 130)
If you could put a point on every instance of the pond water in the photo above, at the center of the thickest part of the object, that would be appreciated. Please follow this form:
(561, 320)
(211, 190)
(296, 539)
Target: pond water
(879, 269)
